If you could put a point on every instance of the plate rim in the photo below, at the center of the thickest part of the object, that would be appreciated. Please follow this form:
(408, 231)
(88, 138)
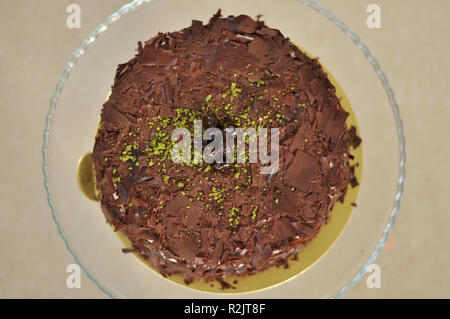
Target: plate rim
(316, 6)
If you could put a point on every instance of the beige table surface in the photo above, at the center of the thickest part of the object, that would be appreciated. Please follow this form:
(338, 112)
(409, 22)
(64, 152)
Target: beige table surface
(412, 47)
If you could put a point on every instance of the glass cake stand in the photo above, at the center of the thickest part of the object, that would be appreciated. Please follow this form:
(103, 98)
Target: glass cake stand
(73, 116)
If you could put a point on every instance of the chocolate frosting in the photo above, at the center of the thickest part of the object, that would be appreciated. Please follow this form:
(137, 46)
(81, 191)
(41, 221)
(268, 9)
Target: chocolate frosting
(214, 220)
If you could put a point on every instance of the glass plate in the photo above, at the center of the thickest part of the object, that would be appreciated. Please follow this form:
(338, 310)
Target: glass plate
(73, 115)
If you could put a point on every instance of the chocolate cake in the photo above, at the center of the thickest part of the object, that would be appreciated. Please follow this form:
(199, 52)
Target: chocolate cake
(214, 220)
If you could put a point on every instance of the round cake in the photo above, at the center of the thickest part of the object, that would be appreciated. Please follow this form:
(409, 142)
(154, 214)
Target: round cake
(213, 220)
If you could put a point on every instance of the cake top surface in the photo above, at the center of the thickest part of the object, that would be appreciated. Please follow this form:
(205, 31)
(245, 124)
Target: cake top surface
(212, 219)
